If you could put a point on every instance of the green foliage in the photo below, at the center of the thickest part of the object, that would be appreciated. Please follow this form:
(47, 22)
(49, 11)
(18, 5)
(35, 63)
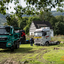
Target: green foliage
(56, 22)
(60, 18)
(42, 4)
(4, 4)
(30, 19)
(59, 25)
(59, 28)
(29, 9)
(23, 22)
(45, 16)
(26, 29)
(52, 20)
(11, 20)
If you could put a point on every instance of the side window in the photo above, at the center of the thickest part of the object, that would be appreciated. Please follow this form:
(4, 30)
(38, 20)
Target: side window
(44, 33)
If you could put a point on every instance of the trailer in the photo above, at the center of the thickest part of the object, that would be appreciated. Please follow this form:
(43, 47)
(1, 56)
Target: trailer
(42, 37)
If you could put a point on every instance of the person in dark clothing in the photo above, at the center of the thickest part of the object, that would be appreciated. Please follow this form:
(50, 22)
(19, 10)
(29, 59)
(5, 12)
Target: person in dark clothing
(31, 41)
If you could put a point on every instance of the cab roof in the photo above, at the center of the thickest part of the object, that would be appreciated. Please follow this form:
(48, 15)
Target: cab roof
(6, 26)
(42, 29)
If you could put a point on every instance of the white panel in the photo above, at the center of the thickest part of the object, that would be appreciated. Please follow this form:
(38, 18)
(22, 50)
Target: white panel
(52, 33)
(32, 28)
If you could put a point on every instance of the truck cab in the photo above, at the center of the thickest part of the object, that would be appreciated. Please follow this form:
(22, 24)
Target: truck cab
(8, 37)
(41, 36)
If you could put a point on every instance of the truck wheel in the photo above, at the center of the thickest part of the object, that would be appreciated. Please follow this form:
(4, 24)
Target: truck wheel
(17, 46)
(12, 48)
(58, 43)
(47, 44)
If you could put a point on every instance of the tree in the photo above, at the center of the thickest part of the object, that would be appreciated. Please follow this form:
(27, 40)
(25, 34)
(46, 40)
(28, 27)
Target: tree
(60, 18)
(46, 16)
(59, 28)
(45, 4)
(23, 22)
(4, 5)
(53, 20)
(59, 25)
(38, 5)
(11, 20)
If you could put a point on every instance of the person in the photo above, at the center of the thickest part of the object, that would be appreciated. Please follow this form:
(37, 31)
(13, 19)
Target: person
(31, 41)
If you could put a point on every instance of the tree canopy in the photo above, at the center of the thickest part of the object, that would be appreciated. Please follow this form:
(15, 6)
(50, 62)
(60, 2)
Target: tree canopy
(32, 6)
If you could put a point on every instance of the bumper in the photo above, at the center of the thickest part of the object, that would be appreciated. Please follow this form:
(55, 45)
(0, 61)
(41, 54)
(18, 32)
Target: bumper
(37, 42)
(3, 44)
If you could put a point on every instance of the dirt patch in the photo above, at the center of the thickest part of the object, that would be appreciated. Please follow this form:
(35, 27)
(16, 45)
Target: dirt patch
(43, 48)
(9, 61)
(40, 56)
(30, 51)
(56, 48)
(40, 50)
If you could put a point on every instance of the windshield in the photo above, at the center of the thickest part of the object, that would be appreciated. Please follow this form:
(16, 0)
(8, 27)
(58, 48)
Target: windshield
(38, 34)
(3, 31)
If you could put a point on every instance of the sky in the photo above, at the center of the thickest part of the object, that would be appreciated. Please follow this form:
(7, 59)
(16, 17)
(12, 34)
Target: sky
(21, 3)
(12, 6)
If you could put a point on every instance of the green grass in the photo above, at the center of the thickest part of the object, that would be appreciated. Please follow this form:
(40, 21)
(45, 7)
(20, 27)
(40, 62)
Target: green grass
(26, 54)
(35, 54)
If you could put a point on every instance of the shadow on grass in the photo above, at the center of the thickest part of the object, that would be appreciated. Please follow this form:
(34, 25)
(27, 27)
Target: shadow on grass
(20, 50)
(45, 45)
(59, 45)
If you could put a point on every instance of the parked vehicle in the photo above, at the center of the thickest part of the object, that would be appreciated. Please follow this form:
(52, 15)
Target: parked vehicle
(9, 38)
(42, 37)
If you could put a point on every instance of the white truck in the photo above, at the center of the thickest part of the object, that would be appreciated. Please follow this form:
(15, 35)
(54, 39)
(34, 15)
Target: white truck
(42, 37)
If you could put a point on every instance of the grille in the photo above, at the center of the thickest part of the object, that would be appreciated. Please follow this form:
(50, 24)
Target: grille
(2, 44)
(37, 40)
(3, 39)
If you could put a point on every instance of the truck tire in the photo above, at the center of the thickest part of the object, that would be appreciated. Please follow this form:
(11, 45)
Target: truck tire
(47, 43)
(58, 43)
(17, 46)
(12, 48)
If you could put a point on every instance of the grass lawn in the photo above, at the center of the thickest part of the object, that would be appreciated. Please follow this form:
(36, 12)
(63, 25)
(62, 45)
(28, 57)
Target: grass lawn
(26, 54)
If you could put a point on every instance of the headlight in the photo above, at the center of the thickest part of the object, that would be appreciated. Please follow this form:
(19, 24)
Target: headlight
(9, 43)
